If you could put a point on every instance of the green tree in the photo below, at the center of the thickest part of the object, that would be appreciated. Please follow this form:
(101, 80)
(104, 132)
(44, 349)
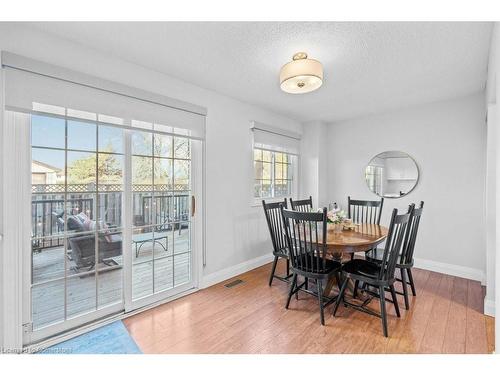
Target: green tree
(83, 170)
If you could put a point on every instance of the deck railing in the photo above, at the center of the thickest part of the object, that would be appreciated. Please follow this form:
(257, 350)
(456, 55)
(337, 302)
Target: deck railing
(46, 223)
(158, 209)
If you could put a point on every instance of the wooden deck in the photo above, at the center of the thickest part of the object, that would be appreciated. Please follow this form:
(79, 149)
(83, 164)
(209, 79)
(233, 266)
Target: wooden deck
(446, 316)
(171, 268)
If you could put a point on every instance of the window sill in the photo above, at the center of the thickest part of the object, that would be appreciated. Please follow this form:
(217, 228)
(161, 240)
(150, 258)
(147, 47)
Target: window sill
(258, 202)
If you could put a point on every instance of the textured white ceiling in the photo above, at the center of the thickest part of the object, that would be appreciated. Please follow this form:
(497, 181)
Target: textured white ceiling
(369, 66)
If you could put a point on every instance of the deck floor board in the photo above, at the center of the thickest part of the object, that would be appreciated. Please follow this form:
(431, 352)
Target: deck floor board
(48, 294)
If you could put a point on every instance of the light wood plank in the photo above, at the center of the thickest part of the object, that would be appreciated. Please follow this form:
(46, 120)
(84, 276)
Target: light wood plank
(251, 318)
(476, 341)
(419, 315)
(432, 341)
(490, 332)
(454, 339)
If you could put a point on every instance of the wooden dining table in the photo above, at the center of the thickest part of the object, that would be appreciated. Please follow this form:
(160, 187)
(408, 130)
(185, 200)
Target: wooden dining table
(360, 239)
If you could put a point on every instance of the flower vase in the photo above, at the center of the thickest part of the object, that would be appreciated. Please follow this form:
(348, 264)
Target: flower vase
(336, 228)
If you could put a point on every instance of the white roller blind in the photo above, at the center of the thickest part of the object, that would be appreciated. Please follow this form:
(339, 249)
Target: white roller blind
(34, 90)
(275, 139)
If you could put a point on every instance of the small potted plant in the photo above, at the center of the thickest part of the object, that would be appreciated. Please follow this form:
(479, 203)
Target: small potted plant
(336, 219)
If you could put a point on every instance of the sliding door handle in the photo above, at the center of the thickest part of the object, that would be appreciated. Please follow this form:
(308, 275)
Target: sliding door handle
(193, 205)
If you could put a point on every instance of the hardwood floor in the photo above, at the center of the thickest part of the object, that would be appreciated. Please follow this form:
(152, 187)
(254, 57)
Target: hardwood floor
(445, 317)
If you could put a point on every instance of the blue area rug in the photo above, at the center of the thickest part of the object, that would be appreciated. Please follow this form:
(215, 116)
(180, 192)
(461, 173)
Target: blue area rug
(110, 339)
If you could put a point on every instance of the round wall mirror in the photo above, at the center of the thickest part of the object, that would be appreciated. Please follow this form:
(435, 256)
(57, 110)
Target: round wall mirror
(392, 174)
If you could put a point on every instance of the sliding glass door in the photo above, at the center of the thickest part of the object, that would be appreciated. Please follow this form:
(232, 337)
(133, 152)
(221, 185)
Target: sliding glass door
(161, 215)
(100, 217)
(111, 219)
(77, 169)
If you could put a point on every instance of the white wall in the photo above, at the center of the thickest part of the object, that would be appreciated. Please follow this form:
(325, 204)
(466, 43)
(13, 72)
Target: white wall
(493, 181)
(491, 208)
(1, 213)
(448, 141)
(313, 165)
(236, 232)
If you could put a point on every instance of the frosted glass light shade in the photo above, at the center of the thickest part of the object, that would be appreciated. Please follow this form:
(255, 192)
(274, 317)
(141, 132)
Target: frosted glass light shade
(301, 75)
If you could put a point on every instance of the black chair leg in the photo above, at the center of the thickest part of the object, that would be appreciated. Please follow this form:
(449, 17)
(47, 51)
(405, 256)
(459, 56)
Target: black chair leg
(395, 300)
(287, 267)
(297, 294)
(405, 288)
(337, 278)
(340, 297)
(273, 270)
(320, 299)
(355, 291)
(306, 285)
(412, 284)
(292, 288)
(382, 310)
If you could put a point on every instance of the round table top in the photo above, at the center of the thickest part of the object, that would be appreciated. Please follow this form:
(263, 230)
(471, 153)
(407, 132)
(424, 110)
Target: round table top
(362, 238)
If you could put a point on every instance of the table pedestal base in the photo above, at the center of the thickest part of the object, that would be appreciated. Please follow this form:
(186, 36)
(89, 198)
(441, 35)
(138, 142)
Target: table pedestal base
(329, 286)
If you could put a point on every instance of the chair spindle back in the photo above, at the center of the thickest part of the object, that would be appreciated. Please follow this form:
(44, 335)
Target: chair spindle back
(303, 205)
(275, 225)
(394, 243)
(306, 237)
(411, 235)
(361, 211)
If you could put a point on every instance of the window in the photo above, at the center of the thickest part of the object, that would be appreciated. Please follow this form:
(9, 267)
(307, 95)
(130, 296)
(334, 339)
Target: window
(373, 175)
(273, 173)
(275, 156)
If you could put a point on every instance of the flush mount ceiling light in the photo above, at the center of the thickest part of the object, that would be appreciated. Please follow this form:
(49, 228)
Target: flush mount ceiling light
(301, 75)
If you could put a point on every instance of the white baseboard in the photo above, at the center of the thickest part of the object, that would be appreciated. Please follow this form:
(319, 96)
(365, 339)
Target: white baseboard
(489, 307)
(430, 265)
(452, 269)
(227, 273)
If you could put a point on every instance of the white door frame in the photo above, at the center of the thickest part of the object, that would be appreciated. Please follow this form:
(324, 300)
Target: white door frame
(17, 225)
(29, 336)
(197, 244)
(17, 267)
(493, 255)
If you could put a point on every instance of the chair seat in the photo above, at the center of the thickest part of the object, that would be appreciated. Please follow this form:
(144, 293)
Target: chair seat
(361, 267)
(330, 265)
(376, 256)
(283, 253)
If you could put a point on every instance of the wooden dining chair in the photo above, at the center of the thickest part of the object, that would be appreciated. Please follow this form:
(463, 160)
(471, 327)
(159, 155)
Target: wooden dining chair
(307, 247)
(303, 205)
(405, 259)
(274, 220)
(362, 211)
(378, 275)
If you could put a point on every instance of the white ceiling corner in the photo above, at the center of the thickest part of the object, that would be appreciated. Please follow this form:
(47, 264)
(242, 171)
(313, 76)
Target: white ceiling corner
(369, 67)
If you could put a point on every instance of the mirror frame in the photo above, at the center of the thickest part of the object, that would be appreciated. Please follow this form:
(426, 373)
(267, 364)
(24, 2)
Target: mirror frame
(409, 191)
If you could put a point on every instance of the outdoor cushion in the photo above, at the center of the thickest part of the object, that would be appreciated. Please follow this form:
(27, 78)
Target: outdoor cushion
(90, 226)
(74, 224)
(82, 217)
